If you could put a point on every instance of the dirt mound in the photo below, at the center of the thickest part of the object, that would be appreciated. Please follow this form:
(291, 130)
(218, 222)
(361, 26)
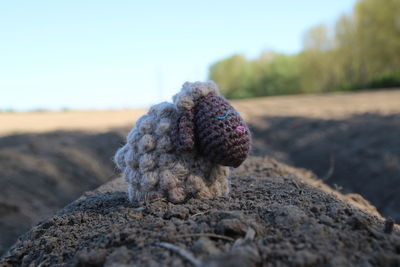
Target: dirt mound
(275, 215)
(40, 173)
(359, 153)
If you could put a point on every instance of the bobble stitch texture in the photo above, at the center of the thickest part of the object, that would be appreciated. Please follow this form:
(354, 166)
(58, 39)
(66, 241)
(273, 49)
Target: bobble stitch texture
(177, 150)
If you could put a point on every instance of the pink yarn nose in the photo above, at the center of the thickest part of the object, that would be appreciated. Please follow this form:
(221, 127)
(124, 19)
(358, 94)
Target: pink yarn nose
(241, 129)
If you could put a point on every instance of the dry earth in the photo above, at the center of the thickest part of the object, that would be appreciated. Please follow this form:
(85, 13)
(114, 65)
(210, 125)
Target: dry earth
(45, 121)
(41, 173)
(335, 105)
(275, 216)
(351, 140)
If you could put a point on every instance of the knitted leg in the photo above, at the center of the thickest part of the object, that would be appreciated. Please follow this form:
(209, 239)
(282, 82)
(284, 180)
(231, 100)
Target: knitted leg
(219, 176)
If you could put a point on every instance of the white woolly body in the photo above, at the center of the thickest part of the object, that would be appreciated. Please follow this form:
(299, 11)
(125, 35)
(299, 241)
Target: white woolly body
(152, 167)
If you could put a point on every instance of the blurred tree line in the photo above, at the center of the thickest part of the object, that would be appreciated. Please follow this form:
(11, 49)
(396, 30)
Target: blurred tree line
(362, 51)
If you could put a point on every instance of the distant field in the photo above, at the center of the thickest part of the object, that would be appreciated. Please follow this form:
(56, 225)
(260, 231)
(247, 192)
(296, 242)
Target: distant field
(88, 120)
(334, 105)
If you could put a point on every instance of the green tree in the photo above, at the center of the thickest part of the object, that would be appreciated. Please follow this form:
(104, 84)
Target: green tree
(361, 51)
(316, 60)
(234, 76)
(317, 38)
(275, 74)
(378, 36)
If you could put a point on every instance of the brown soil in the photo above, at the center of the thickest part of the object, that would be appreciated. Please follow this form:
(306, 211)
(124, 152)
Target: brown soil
(350, 140)
(40, 173)
(74, 120)
(333, 105)
(273, 217)
(359, 153)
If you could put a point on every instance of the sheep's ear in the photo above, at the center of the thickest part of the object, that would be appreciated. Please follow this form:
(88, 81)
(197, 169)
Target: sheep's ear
(185, 131)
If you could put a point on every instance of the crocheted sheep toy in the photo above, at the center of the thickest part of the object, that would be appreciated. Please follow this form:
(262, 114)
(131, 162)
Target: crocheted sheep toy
(183, 149)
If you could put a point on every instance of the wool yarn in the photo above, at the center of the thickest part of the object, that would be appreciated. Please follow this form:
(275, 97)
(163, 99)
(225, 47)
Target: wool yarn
(183, 149)
(220, 132)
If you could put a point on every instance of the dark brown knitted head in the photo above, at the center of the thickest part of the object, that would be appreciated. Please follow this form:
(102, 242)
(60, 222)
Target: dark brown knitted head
(216, 130)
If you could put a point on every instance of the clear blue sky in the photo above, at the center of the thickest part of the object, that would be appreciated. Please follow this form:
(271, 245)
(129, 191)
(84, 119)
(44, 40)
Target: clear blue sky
(85, 54)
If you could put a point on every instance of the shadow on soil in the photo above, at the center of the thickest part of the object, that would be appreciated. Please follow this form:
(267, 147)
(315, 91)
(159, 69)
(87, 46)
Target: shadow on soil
(41, 173)
(358, 154)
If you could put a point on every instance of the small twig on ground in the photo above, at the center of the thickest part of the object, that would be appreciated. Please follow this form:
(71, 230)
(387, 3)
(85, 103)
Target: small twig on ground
(181, 252)
(331, 169)
(200, 213)
(208, 235)
(296, 184)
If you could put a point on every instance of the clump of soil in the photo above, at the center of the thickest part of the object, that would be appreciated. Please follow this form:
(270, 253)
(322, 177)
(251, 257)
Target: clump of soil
(275, 215)
(41, 173)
